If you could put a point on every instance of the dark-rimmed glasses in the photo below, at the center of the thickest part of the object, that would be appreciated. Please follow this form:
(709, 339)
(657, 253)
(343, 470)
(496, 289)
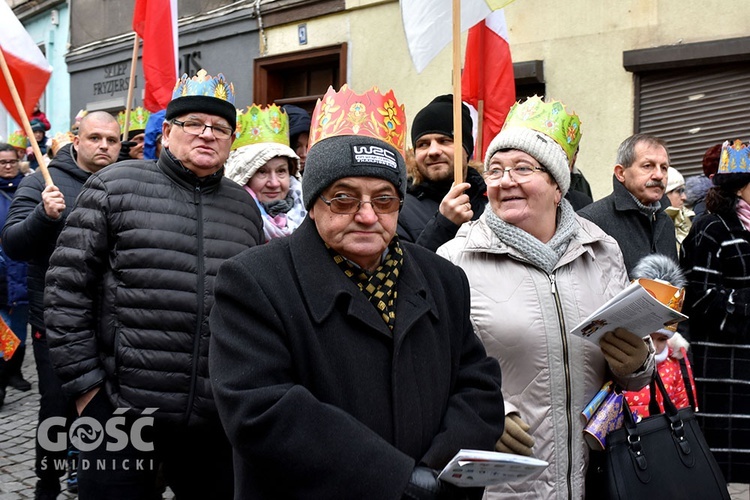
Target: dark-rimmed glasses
(5, 163)
(519, 174)
(350, 205)
(197, 128)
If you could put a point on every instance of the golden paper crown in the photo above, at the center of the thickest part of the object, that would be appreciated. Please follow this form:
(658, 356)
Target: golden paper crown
(18, 140)
(138, 119)
(549, 118)
(206, 85)
(258, 124)
(735, 158)
(371, 114)
(59, 140)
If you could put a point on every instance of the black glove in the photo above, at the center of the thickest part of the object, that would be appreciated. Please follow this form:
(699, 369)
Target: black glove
(425, 485)
(125, 150)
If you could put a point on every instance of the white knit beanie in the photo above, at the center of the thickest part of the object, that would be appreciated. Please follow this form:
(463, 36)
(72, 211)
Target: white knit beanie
(674, 179)
(543, 148)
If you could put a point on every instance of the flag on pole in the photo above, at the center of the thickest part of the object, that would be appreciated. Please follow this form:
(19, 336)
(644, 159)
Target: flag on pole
(28, 67)
(488, 76)
(427, 24)
(155, 21)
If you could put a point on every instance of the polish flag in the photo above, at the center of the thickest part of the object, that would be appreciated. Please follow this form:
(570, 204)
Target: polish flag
(488, 77)
(428, 24)
(29, 69)
(155, 21)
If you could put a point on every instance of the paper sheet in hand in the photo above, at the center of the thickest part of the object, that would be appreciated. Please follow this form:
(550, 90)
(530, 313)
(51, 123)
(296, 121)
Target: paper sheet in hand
(476, 468)
(641, 308)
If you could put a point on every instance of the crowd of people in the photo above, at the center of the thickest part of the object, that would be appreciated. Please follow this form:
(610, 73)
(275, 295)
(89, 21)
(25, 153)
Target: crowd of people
(303, 306)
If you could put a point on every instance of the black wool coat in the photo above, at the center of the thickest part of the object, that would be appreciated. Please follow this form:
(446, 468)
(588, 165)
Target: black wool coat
(317, 396)
(130, 284)
(637, 234)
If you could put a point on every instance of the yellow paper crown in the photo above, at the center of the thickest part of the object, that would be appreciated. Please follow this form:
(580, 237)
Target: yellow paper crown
(18, 140)
(257, 124)
(549, 118)
(205, 85)
(371, 114)
(735, 158)
(59, 140)
(138, 119)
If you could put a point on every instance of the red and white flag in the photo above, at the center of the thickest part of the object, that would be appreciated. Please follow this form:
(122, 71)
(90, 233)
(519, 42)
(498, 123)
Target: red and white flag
(488, 76)
(28, 67)
(155, 21)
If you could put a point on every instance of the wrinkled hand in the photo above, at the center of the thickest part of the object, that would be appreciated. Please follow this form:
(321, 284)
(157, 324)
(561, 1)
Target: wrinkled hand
(456, 206)
(425, 485)
(515, 438)
(624, 351)
(53, 201)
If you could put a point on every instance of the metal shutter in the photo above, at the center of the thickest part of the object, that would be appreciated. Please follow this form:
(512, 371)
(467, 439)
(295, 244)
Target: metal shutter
(694, 108)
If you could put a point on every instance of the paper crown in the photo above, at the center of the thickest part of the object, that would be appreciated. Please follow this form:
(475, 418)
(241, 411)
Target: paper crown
(259, 124)
(18, 140)
(371, 114)
(549, 118)
(59, 140)
(138, 119)
(204, 84)
(735, 158)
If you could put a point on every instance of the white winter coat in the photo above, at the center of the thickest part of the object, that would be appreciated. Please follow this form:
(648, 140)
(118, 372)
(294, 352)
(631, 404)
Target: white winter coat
(523, 316)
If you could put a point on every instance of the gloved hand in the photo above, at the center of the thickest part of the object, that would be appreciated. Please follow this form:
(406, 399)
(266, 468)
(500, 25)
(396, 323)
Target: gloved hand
(515, 438)
(425, 485)
(624, 351)
(125, 150)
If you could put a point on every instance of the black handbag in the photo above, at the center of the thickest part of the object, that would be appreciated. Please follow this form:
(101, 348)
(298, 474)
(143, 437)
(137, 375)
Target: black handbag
(664, 456)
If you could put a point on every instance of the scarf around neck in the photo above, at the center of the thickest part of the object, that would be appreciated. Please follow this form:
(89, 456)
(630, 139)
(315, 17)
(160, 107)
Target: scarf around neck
(543, 255)
(743, 212)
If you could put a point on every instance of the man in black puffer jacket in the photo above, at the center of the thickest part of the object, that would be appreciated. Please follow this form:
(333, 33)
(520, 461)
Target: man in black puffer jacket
(129, 291)
(35, 219)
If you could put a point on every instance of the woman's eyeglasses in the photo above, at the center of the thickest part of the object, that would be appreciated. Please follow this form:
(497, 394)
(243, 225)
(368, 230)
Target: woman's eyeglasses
(519, 174)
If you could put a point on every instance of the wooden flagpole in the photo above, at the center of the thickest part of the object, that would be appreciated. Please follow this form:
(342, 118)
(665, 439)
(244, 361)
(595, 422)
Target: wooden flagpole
(458, 167)
(25, 120)
(131, 86)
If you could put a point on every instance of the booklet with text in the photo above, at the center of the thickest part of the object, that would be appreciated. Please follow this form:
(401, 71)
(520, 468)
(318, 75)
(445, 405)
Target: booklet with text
(642, 308)
(477, 468)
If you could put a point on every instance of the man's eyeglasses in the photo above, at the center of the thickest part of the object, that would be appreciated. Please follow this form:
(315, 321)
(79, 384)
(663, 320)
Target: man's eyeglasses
(350, 205)
(519, 174)
(197, 128)
(6, 163)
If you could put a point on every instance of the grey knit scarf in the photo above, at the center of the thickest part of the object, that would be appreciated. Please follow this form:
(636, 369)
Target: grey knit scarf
(543, 255)
(648, 210)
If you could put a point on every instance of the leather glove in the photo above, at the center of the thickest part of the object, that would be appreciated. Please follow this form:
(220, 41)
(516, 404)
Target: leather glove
(624, 351)
(425, 485)
(515, 438)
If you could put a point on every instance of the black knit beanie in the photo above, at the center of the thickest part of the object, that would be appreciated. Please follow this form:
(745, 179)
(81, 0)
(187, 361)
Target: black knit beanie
(342, 156)
(437, 118)
(202, 104)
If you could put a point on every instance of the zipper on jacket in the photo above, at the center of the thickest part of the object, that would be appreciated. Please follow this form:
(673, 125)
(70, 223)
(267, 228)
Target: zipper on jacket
(568, 385)
(200, 291)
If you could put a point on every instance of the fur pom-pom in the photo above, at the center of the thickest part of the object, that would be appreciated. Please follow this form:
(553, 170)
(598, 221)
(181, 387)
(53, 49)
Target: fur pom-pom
(659, 267)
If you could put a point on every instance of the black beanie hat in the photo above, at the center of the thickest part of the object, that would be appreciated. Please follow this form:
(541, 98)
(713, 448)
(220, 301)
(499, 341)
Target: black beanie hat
(202, 104)
(342, 156)
(299, 120)
(437, 118)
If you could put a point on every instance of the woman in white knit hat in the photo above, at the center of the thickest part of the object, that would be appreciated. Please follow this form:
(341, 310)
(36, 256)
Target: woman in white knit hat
(677, 211)
(536, 270)
(262, 161)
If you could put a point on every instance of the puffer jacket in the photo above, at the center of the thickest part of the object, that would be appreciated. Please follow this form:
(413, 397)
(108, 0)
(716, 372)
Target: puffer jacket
(30, 235)
(130, 284)
(523, 316)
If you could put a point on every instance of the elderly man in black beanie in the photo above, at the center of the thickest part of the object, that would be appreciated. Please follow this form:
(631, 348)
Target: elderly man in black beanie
(434, 208)
(343, 361)
(128, 293)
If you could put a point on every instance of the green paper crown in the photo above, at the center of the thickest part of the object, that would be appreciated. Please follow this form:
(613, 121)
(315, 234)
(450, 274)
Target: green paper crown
(549, 118)
(256, 125)
(203, 84)
(18, 140)
(138, 119)
(735, 158)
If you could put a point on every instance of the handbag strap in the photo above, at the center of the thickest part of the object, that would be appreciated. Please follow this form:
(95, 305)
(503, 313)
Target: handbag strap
(687, 381)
